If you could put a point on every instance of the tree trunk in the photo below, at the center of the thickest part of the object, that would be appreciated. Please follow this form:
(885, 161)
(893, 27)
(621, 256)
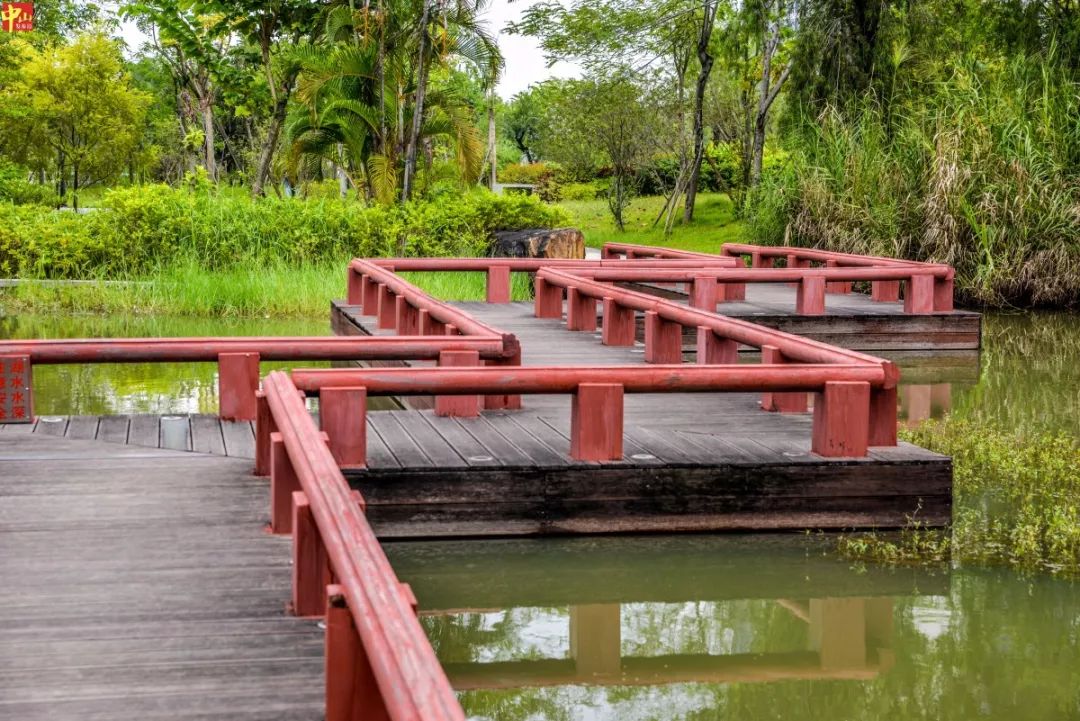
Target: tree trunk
(206, 110)
(706, 62)
(418, 109)
(492, 140)
(266, 153)
(61, 171)
(75, 187)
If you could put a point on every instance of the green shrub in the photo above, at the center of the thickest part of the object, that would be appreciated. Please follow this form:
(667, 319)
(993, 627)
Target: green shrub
(139, 229)
(15, 188)
(583, 191)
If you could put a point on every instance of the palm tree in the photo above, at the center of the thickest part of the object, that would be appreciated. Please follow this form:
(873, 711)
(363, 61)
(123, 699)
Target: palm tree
(364, 100)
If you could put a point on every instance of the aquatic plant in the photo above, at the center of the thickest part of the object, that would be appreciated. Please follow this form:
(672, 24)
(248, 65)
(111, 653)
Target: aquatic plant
(1016, 502)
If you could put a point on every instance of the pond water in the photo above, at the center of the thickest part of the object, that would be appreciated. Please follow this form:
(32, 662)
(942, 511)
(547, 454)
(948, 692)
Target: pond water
(708, 627)
(737, 627)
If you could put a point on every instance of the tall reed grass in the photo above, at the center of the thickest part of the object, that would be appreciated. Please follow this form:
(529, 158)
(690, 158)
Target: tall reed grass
(981, 171)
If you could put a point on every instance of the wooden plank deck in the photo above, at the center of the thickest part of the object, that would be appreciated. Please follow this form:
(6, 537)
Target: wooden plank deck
(139, 583)
(692, 462)
(200, 433)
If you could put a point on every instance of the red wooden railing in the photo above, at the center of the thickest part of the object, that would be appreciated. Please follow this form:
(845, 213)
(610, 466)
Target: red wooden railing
(498, 270)
(718, 339)
(238, 358)
(842, 407)
(379, 663)
(884, 289)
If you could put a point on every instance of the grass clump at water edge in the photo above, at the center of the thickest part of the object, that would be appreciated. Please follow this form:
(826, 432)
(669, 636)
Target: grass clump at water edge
(1016, 502)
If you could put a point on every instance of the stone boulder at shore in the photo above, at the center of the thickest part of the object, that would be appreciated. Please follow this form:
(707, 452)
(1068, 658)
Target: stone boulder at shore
(539, 243)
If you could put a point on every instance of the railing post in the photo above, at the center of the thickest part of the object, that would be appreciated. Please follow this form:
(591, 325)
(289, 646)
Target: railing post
(406, 317)
(841, 420)
(548, 303)
(596, 422)
(498, 284)
(351, 690)
(504, 402)
(459, 406)
(423, 322)
(606, 253)
(387, 313)
(703, 293)
(943, 294)
(882, 417)
(343, 417)
(794, 263)
(16, 389)
(311, 564)
(372, 292)
(580, 310)
(758, 260)
(836, 286)
(780, 402)
(283, 483)
(712, 349)
(885, 291)
(264, 426)
(811, 296)
(620, 324)
(238, 379)
(354, 287)
(663, 339)
(919, 295)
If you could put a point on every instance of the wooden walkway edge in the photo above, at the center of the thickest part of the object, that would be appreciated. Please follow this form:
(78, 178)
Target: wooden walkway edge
(139, 583)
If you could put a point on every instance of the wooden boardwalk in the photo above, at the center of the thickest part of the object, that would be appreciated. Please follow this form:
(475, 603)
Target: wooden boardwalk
(692, 461)
(139, 583)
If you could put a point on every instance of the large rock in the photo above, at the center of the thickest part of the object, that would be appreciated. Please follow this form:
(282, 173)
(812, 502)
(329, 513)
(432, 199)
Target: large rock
(539, 243)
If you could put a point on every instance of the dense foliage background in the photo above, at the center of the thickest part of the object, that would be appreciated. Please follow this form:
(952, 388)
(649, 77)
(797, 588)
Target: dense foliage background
(938, 130)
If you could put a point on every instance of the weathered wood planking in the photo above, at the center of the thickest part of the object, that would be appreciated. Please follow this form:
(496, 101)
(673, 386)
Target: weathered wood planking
(139, 583)
(692, 462)
(200, 433)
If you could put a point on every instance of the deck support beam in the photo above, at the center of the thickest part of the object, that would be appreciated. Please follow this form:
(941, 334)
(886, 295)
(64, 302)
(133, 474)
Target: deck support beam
(811, 296)
(580, 311)
(620, 324)
(714, 350)
(549, 299)
(919, 295)
(283, 484)
(841, 420)
(596, 422)
(459, 406)
(352, 693)
(511, 402)
(498, 284)
(704, 292)
(663, 339)
(238, 380)
(780, 402)
(311, 564)
(343, 417)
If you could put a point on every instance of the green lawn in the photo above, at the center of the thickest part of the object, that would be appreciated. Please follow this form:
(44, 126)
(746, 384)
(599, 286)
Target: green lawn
(714, 223)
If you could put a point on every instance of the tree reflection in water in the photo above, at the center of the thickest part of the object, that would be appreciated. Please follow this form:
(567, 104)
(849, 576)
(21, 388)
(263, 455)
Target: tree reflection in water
(959, 646)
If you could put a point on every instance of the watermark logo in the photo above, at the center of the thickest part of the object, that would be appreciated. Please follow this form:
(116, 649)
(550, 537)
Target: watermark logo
(16, 17)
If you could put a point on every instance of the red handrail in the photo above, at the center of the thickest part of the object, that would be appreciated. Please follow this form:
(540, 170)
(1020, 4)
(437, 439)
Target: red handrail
(566, 379)
(411, 684)
(141, 350)
(794, 347)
